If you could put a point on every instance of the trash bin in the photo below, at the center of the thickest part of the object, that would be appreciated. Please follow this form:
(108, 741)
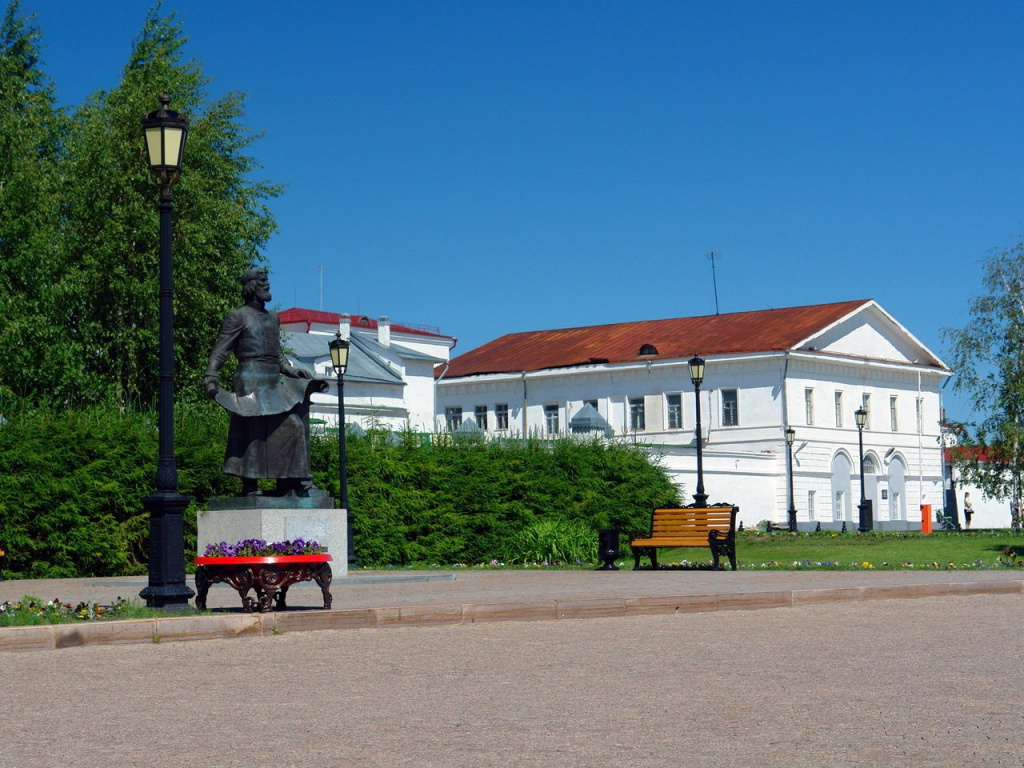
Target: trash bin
(608, 549)
(926, 518)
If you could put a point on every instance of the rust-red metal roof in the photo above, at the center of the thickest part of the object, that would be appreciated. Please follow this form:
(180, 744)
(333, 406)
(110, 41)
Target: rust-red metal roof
(766, 330)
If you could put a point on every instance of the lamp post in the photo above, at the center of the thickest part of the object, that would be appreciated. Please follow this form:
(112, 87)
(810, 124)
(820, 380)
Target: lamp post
(697, 376)
(864, 508)
(339, 361)
(790, 437)
(165, 132)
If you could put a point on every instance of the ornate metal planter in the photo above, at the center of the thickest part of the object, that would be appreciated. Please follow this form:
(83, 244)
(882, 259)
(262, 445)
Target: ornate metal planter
(268, 577)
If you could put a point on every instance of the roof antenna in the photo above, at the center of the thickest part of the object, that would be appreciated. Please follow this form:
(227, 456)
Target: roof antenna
(714, 278)
(321, 267)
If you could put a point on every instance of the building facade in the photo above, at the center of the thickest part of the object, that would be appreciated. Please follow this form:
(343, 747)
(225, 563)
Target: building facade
(390, 379)
(806, 368)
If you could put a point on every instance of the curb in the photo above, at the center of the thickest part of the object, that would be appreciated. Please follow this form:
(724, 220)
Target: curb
(51, 637)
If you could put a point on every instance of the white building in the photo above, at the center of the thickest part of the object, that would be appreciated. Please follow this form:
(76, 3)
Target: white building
(809, 368)
(390, 378)
(989, 512)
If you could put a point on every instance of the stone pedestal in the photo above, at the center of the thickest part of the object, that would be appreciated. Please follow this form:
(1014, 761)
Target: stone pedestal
(277, 518)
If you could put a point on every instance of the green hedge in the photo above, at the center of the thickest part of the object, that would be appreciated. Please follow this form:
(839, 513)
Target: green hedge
(416, 502)
(72, 484)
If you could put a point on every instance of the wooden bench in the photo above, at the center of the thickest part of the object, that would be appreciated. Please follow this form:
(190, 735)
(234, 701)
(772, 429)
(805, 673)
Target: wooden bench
(713, 527)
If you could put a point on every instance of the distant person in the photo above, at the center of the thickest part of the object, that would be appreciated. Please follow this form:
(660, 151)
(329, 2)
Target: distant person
(968, 510)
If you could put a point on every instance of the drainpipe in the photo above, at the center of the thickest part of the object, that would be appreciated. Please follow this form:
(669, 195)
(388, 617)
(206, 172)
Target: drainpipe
(785, 394)
(526, 404)
(785, 423)
(920, 456)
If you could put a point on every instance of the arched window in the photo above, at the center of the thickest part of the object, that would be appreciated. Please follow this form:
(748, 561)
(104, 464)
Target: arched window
(842, 497)
(897, 489)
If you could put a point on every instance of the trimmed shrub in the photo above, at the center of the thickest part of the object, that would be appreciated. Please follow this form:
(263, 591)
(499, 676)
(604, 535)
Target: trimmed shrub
(72, 484)
(463, 501)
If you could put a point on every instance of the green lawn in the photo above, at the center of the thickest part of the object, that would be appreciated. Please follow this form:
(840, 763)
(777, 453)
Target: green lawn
(895, 551)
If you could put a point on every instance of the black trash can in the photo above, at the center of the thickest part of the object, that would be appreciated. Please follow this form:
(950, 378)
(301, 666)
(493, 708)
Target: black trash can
(608, 549)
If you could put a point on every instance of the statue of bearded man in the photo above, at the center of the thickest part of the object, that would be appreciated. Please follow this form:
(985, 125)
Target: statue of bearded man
(269, 405)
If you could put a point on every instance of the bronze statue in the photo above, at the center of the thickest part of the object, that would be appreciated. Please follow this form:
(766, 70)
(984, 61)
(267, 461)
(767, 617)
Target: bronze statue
(269, 432)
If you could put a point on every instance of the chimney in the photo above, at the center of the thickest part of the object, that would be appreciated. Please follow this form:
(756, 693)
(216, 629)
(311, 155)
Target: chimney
(345, 326)
(384, 331)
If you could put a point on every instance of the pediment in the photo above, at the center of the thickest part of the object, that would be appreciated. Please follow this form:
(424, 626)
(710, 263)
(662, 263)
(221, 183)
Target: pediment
(871, 332)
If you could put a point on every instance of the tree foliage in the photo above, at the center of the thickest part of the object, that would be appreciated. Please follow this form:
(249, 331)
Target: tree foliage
(32, 132)
(988, 355)
(92, 244)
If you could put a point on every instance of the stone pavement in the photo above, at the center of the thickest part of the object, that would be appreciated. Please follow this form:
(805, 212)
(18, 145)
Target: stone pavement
(835, 676)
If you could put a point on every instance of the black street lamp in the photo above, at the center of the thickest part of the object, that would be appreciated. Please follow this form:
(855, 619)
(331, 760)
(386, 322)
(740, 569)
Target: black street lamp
(339, 361)
(790, 437)
(864, 508)
(165, 132)
(697, 376)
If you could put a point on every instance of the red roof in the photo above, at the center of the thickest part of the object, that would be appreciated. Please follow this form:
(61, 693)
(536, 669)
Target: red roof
(766, 330)
(310, 316)
(970, 452)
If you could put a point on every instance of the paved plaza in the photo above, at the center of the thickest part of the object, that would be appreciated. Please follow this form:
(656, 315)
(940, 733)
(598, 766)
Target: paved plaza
(922, 681)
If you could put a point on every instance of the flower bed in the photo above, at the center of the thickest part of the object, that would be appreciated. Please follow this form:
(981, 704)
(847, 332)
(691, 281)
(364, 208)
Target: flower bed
(31, 610)
(260, 548)
(267, 569)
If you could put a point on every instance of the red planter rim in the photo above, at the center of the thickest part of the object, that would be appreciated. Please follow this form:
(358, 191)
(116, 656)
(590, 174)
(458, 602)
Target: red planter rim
(275, 560)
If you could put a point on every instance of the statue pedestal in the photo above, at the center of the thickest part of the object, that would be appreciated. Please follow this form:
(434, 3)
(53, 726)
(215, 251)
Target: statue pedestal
(277, 518)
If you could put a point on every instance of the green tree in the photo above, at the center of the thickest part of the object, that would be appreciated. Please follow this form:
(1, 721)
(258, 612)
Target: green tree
(108, 290)
(988, 356)
(31, 140)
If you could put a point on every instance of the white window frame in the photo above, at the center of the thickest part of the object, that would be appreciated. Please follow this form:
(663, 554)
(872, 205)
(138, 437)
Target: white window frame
(453, 417)
(734, 400)
(674, 410)
(551, 420)
(637, 414)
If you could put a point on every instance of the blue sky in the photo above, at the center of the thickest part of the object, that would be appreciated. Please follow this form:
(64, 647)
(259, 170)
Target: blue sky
(491, 167)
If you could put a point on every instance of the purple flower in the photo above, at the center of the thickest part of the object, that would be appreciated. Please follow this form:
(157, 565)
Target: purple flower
(260, 548)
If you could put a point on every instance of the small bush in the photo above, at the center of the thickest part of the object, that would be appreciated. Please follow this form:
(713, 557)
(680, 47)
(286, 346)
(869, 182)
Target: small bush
(552, 542)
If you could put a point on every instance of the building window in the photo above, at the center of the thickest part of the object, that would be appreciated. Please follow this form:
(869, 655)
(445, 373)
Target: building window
(675, 411)
(551, 419)
(839, 409)
(636, 414)
(920, 415)
(812, 512)
(730, 408)
(809, 406)
(453, 417)
(894, 421)
(837, 512)
(480, 413)
(501, 415)
(865, 403)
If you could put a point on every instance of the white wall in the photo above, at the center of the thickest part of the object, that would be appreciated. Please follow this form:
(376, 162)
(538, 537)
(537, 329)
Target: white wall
(746, 464)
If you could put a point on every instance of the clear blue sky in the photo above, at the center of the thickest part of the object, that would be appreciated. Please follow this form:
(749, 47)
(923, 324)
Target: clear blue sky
(490, 167)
